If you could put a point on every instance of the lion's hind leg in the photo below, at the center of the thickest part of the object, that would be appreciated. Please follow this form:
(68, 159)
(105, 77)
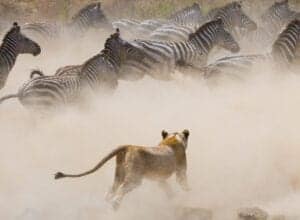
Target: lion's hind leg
(125, 188)
(119, 176)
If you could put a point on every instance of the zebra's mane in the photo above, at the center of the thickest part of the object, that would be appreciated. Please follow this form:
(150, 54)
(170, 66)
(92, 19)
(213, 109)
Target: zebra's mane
(14, 29)
(109, 41)
(205, 27)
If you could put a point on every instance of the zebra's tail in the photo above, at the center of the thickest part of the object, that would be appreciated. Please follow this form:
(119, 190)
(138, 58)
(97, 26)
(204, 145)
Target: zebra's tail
(8, 97)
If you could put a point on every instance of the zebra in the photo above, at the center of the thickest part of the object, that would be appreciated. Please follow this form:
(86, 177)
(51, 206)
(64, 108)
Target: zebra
(283, 55)
(88, 17)
(233, 17)
(273, 20)
(14, 43)
(160, 58)
(231, 14)
(277, 16)
(189, 16)
(108, 65)
(67, 87)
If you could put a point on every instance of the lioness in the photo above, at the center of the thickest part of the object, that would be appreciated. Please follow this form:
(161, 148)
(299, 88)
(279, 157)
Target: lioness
(136, 162)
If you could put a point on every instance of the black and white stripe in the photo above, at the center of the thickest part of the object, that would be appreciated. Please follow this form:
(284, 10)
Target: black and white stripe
(284, 49)
(160, 58)
(14, 43)
(50, 91)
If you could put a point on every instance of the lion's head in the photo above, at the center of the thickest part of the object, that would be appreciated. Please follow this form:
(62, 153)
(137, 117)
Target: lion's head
(176, 138)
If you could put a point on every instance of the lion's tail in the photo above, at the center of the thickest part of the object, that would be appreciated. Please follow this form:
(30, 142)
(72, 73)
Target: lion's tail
(60, 175)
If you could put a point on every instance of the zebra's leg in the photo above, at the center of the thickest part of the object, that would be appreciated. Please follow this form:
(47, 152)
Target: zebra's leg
(119, 176)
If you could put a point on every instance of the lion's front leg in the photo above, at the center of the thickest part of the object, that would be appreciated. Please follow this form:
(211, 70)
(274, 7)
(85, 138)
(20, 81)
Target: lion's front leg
(165, 186)
(181, 171)
(181, 178)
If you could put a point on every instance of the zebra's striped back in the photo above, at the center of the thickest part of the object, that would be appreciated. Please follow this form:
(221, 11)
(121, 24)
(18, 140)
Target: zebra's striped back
(189, 16)
(236, 65)
(14, 43)
(50, 91)
(284, 48)
(172, 33)
(68, 70)
(146, 27)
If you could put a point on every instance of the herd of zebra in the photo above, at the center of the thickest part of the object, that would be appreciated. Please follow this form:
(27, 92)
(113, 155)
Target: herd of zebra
(154, 47)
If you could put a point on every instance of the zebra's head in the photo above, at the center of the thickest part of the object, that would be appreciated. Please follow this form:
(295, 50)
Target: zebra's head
(284, 4)
(120, 50)
(23, 44)
(238, 18)
(225, 39)
(90, 16)
(280, 11)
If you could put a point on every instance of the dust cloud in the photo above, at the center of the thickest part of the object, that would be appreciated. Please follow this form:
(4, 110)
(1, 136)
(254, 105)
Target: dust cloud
(243, 148)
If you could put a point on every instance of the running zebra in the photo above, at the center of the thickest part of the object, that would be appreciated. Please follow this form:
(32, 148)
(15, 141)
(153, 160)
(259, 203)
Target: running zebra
(232, 16)
(278, 16)
(160, 58)
(88, 17)
(67, 87)
(14, 43)
(272, 22)
(283, 55)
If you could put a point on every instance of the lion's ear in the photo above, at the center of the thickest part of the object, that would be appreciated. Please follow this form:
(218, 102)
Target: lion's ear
(186, 133)
(164, 134)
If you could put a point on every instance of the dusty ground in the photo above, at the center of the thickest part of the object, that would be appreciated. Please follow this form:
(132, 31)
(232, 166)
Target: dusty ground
(243, 149)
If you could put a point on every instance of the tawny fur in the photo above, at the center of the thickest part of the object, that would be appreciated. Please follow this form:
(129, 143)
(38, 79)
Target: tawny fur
(134, 163)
